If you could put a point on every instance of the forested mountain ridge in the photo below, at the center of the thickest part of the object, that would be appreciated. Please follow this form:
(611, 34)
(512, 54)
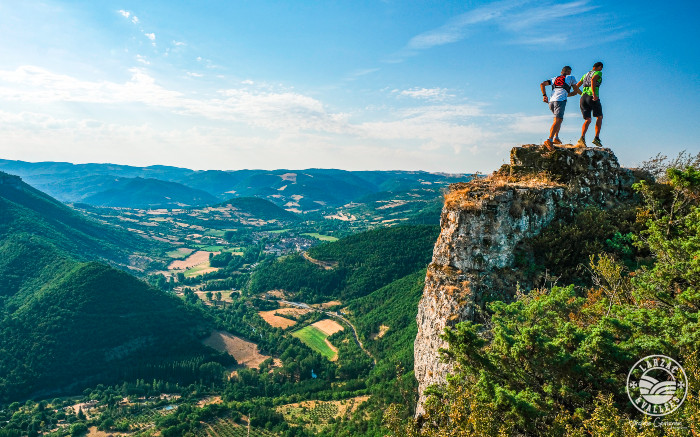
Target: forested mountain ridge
(26, 210)
(66, 323)
(295, 190)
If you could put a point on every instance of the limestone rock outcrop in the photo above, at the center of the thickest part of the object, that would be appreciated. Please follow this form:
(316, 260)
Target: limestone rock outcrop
(482, 221)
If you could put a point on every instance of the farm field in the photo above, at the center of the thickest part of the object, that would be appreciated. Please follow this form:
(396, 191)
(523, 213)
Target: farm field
(180, 253)
(328, 326)
(276, 319)
(196, 259)
(317, 340)
(321, 237)
(245, 352)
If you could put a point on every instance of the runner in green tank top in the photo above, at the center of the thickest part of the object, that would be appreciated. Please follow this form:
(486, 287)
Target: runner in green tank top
(590, 103)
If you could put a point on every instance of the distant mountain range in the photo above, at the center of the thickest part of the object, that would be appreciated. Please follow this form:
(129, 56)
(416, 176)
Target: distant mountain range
(173, 187)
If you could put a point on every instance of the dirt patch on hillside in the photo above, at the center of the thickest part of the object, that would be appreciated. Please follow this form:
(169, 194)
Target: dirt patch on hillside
(327, 305)
(382, 330)
(326, 265)
(210, 400)
(245, 352)
(276, 319)
(328, 326)
(277, 294)
(333, 348)
(197, 258)
(341, 216)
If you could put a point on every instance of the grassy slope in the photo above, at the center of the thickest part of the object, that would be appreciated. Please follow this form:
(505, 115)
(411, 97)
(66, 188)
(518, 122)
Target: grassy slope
(315, 339)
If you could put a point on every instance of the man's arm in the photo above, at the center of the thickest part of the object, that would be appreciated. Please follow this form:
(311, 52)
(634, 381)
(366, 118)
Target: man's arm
(544, 93)
(576, 90)
(595, 81)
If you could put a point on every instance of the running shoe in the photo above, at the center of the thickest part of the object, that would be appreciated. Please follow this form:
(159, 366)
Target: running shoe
(597, 142)
(556, 141)
(581, 143)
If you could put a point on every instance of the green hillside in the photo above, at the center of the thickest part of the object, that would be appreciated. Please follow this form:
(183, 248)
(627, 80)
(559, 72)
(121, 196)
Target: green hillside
(25, 210)
(66, 324)
(394, 307)
(365, 262)
(90, 324)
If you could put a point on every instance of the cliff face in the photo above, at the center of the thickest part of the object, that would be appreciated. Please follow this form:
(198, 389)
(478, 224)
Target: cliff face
(482, 222)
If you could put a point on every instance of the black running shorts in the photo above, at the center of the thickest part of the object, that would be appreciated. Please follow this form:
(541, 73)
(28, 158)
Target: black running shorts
(588, 106)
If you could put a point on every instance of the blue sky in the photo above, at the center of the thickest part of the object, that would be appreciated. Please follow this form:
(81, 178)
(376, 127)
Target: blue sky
(358, 85)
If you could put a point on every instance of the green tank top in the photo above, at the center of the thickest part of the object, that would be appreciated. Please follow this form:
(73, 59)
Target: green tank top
(587, 82)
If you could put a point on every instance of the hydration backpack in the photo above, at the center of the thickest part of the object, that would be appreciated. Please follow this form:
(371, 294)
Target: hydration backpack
(589, 78)
(560, 82)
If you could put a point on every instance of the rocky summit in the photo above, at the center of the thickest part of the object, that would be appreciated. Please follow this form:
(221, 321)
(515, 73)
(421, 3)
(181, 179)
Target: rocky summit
(481, 223)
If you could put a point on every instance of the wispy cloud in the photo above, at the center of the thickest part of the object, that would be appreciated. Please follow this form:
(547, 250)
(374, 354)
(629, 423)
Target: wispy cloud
(433, 94)
(546, 14)
(523, 22)
(456, 29)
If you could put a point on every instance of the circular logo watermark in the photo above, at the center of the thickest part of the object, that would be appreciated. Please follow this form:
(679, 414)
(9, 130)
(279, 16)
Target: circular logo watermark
(657, 385)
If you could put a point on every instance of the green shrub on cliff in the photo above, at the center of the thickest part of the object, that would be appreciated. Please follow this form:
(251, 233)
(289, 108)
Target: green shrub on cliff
(555, 362)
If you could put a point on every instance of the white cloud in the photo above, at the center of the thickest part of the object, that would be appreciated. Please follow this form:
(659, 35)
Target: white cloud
(435, 94)
(123, 13)
(142, 59)
(151, 36)
(263, 125)
(191, 74)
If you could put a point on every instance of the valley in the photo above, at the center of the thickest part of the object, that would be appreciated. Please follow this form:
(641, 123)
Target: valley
(273, 286)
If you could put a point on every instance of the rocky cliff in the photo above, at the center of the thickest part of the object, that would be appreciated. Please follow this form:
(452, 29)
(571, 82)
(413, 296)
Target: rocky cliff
(482, 222)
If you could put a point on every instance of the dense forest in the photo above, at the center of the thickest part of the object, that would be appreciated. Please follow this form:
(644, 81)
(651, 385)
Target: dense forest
(362, 263)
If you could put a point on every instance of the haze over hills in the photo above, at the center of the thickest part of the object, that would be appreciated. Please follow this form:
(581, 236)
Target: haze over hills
(295, 190)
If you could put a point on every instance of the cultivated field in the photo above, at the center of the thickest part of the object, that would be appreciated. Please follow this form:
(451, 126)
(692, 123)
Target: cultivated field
(245, 352)
(197, 258)
(316, 414)
(276, 319)
(316, 340)
(328, 326)
(229, 428)
(180, 253)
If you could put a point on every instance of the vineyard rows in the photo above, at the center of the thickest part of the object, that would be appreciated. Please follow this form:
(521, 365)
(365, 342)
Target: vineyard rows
(228, 428)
